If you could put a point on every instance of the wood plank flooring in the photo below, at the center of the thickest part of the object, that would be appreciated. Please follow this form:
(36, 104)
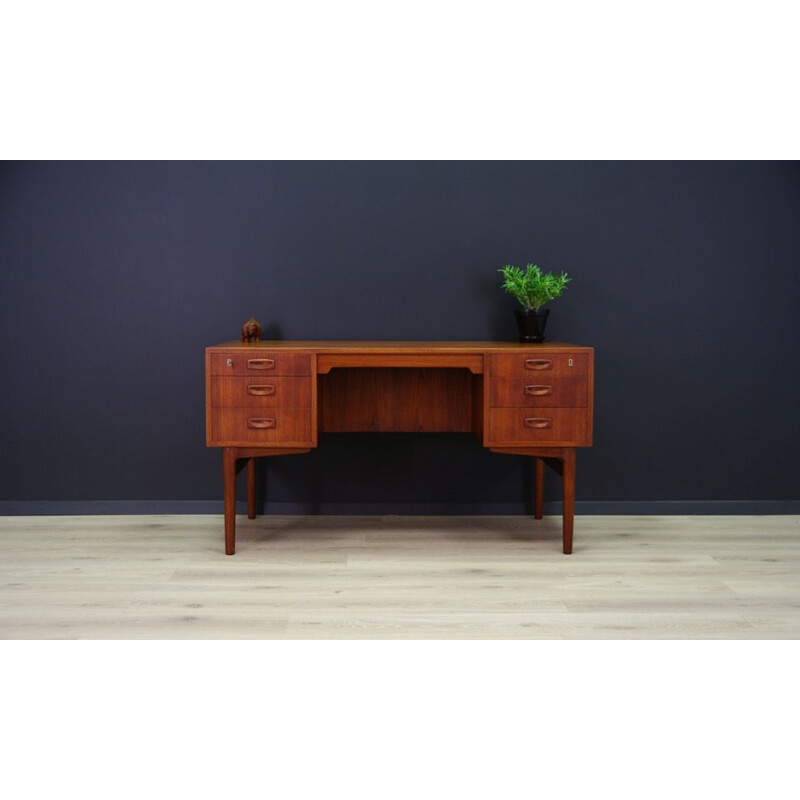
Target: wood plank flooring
(166, 577)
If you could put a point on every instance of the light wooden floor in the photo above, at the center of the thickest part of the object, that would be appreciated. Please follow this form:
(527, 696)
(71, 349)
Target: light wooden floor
(166, 577)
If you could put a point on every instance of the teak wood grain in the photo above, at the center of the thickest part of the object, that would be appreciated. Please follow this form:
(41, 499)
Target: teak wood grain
(541, 364)
(393, 400)
(554, 426)
(289, 427)
(261, 392)
(250, 363)
(539, 390)
(272, 398)
(471, 361)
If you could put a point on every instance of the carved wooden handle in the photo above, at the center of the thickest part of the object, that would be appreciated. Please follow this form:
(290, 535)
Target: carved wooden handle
(261, 422)
(538, 363)
(538, 422)
(261, 391)
(260, 363)
(537, 391)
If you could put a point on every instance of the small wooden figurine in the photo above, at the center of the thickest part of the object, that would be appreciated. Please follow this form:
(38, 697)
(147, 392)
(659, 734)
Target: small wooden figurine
(251, 331)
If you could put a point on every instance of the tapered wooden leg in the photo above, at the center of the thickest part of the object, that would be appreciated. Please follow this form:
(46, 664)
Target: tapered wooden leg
(251, 488)
(229, 479)
(538, 487)
(568, 496)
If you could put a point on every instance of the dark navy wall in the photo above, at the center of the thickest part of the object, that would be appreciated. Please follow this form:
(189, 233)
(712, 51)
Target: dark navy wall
(115, 276)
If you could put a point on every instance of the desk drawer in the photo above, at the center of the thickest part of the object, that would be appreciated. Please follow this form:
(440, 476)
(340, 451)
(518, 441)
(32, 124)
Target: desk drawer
(567, 426)
(260, 362)
(258, 392)
(260, 426)
(546, 391)
(544, 365)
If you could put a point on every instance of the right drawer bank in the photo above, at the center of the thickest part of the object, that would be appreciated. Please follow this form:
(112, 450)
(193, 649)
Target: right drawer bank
(539, 398)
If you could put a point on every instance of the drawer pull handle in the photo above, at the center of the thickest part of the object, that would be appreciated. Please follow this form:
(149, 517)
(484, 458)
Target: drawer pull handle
(260, 363)
(538, 363)
(538, 391)
(538, 422)
(261, 391)
(261, 422)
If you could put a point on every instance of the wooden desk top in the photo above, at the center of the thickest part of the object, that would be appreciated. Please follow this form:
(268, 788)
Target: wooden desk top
(399, 347)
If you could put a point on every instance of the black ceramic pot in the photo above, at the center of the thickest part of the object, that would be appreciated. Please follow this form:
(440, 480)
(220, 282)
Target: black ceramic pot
(530, 323)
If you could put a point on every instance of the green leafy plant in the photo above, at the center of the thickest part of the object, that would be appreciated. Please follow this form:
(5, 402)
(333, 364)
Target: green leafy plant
(533, 288)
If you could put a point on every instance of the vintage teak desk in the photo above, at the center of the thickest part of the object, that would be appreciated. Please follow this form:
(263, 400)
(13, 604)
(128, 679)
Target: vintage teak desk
(273, 398)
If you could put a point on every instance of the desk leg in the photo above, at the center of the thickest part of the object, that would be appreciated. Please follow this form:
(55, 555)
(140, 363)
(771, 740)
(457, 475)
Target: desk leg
(538, 487)
(234, 459)
(568, 496)
(251, 488)
(229, 480)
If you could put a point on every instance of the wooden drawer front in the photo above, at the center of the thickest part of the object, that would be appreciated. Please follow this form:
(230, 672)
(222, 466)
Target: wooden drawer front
(269, 392)
(545, 425)
(258, 362)
(533, 364)
(543, 391)
(261, 426)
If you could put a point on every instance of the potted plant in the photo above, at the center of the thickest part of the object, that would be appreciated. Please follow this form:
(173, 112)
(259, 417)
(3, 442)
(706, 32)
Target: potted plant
(532, 288)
